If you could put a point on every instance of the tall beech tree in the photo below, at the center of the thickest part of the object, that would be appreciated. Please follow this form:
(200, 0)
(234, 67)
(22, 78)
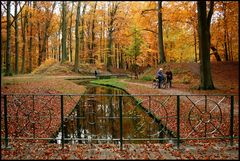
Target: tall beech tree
(82, 46)
(76, 64)
(16, 37)
(42, 54)
(70, 34)
(93, 45)
(8, 54)
(204, 21)
(160, 34)
(64, 32)
(112, 11)
(31, 38)
(24, 26)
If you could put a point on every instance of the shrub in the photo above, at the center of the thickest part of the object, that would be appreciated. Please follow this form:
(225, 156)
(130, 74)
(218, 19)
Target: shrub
(147, 78)
(186, 79)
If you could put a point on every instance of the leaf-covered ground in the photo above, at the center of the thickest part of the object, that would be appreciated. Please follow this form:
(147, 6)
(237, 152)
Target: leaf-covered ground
(38, 84)
(200, 151)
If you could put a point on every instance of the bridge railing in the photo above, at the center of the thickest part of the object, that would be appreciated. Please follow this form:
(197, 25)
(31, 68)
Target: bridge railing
(119, 118)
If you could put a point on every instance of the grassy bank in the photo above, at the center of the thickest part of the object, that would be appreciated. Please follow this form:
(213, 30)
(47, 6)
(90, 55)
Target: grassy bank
(110, 82)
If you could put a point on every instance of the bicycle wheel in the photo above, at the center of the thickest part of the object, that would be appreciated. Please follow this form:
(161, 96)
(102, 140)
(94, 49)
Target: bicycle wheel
(163, 84)
(155, 85)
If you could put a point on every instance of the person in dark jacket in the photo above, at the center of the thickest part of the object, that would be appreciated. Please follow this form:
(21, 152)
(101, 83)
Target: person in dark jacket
(96, 73)
(160, 77)
(169, 77)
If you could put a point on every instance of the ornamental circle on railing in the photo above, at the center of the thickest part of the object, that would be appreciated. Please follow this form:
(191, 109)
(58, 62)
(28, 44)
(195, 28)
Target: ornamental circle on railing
(30, 121)
(153, 108)
(91, 111)
(205, 116)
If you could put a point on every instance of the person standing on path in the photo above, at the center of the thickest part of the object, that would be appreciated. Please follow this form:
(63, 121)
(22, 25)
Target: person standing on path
(160, 77)
(169, 77)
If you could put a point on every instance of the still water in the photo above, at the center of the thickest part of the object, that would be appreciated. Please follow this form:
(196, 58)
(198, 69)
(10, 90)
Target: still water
(96, 119)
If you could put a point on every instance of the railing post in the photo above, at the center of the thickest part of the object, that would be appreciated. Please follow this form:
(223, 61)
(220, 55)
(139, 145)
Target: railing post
(5, 121)
(231, 120)
(62, 121)
(178, 121)
(34, 126)
(121, 128)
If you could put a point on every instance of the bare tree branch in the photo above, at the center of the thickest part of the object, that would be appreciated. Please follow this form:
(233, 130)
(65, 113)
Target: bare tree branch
(14, 17)
(149, 30)
(210, 13)
(148, 10)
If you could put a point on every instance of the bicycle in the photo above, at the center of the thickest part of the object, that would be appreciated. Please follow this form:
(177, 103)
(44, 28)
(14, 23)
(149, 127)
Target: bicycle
(164, 83)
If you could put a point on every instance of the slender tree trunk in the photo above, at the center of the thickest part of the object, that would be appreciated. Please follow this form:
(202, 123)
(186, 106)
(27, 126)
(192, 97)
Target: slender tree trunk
(70, 34)
(93, 34)
(64, 32)
(225, 32)
(30, 43)
(16, 38)
(215, 52)
(45, 38)
(77, 38)
(88, 39)
(160, 34)
(24, 32)
(121, 58)
(109, 45)
(82, 33)
(195, 44)
(8, 54)
(60, 43)
(231, 49)
(101, 43)
(44, 46)
(204, 45)
(112, 9)
(39, 45)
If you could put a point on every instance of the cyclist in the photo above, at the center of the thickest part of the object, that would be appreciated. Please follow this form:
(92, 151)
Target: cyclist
(160, 77)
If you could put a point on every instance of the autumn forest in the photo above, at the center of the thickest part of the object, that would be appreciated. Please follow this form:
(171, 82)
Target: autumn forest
(112, 34)
(122, 80)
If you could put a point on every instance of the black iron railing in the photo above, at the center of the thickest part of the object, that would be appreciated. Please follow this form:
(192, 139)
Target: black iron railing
(103, 118)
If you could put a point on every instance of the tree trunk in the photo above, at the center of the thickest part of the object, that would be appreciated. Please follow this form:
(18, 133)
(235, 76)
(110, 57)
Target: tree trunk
(195, 44)
(82, 32)
(24, 30)
(93, 34)
(77, 38)
(30, 43)
(8, 54)
(16, 39)
(112, 13)
(160, 34)
(39, 45)
(64, 32)
(70, 34)
(204, 45)
(47, 25)
(215, 52)
(60, 44)
(88, 37)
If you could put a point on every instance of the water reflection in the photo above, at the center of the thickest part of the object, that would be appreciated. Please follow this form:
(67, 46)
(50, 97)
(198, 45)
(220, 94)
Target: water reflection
(96, 119)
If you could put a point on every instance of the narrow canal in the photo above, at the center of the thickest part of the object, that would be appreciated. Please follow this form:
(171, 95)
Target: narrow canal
(96, 119)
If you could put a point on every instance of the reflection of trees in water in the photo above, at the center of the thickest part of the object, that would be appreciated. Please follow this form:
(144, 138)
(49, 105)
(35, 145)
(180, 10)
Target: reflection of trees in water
(97, 117)
(137, 123)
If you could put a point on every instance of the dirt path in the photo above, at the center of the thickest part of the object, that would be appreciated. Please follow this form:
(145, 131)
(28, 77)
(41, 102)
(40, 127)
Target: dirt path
(220, 100)
(167, 91)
